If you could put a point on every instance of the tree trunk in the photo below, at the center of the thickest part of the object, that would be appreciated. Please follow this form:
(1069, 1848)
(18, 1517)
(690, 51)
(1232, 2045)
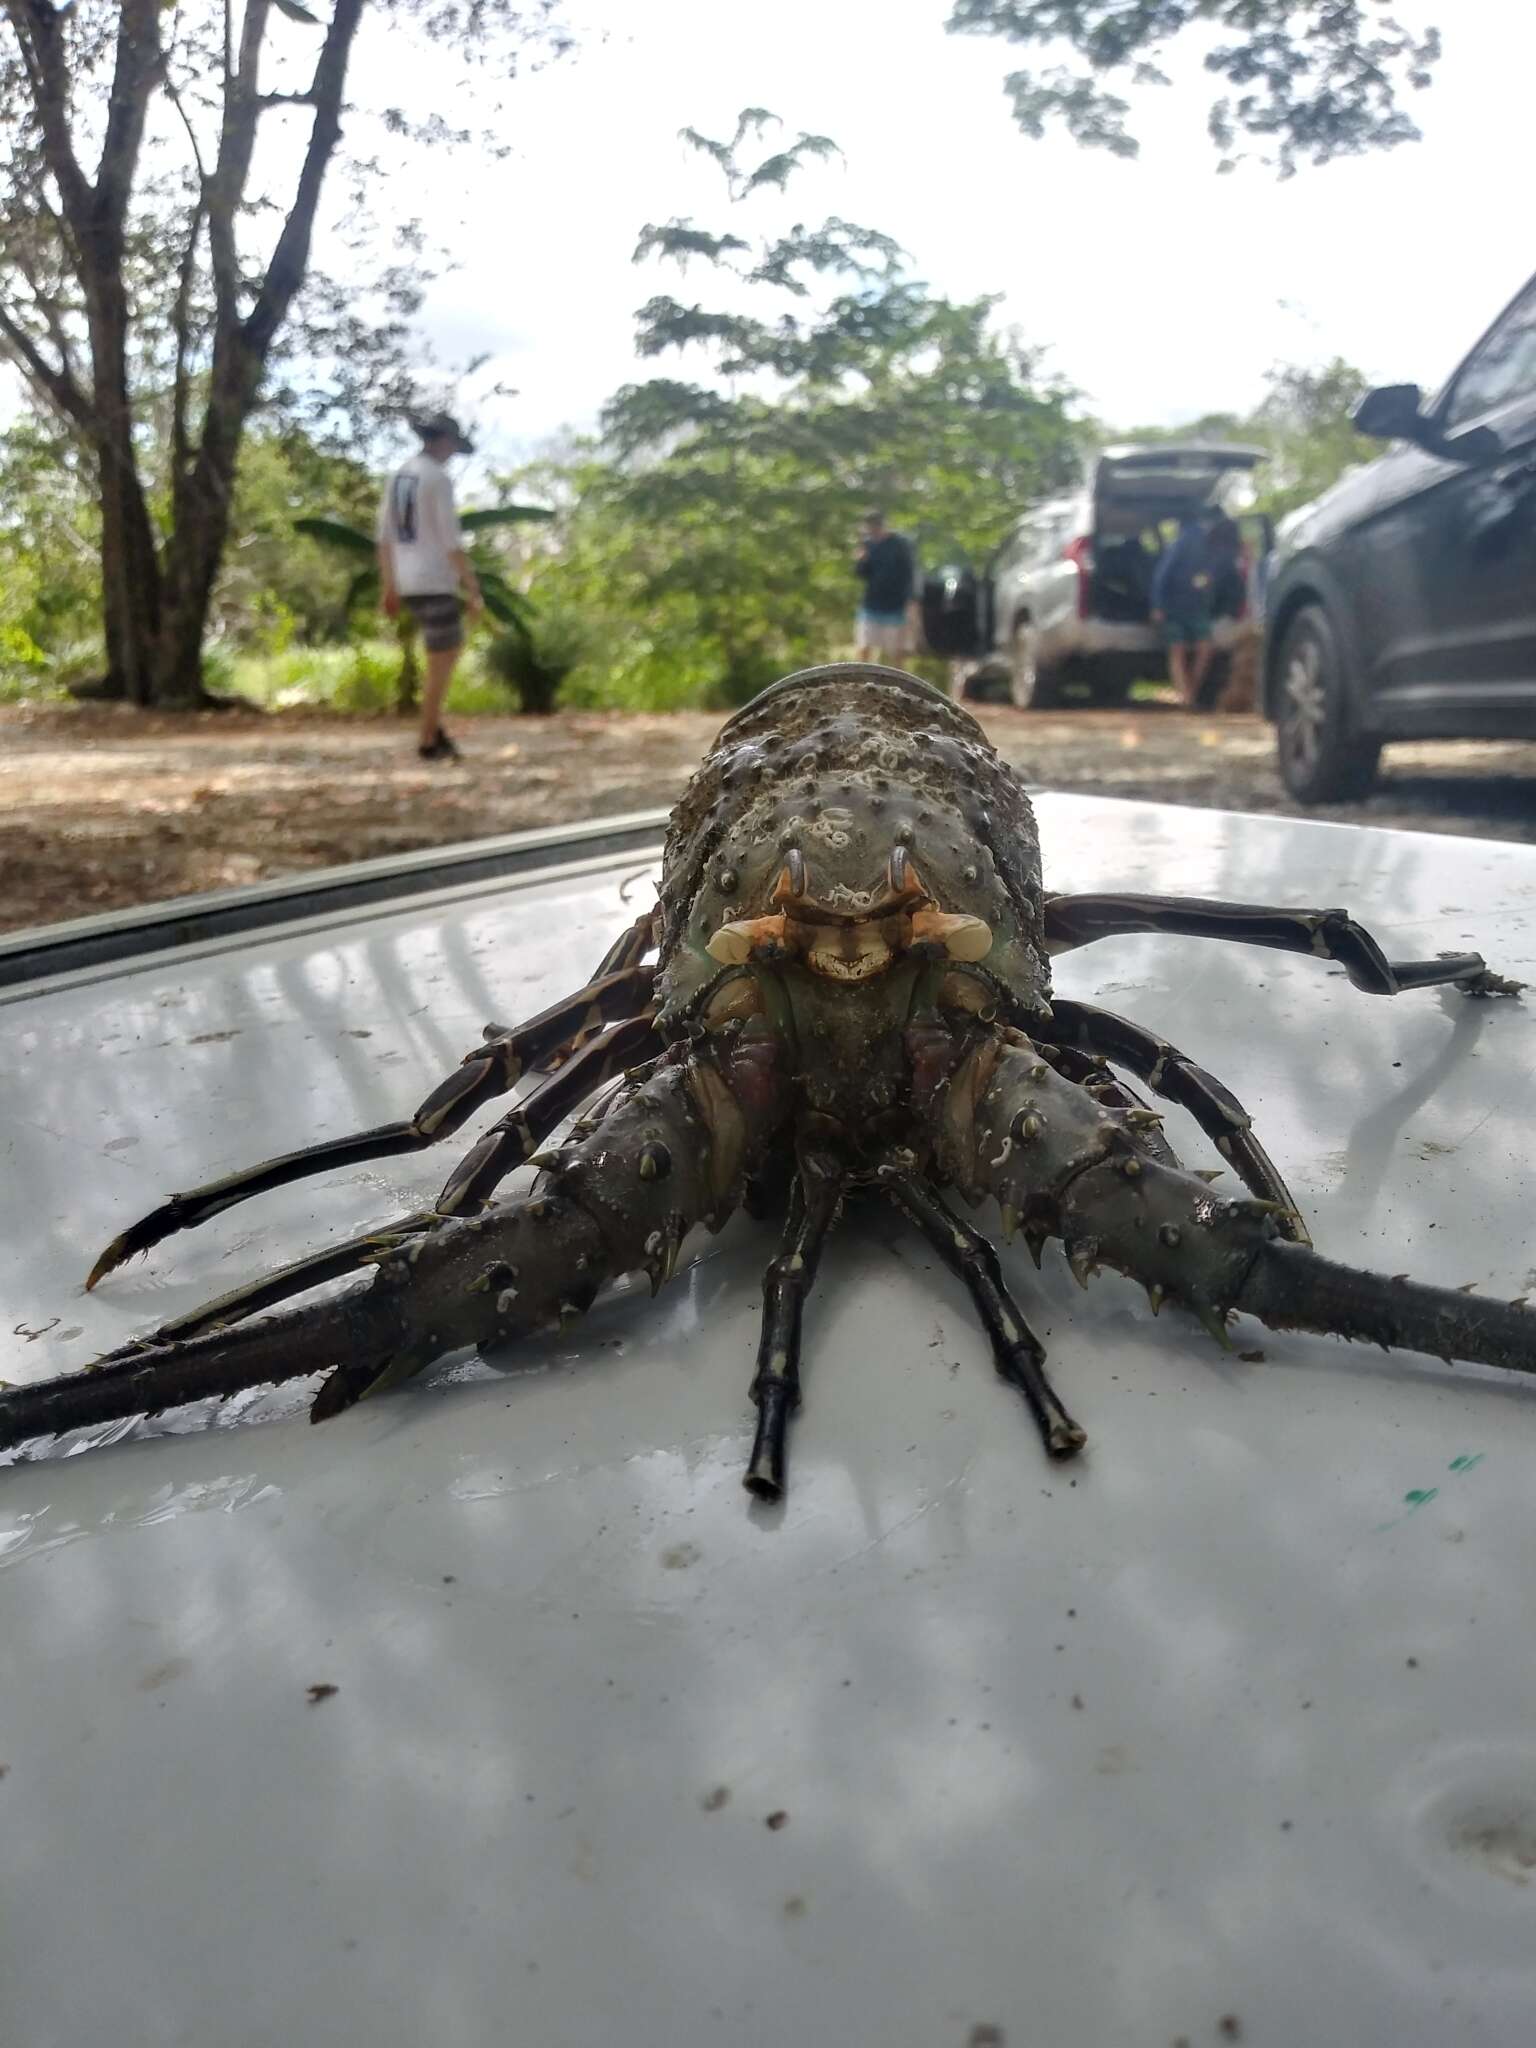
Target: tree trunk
(193, 552)
(130, 592)
(202, 497)
(130, 581)
(202, 493)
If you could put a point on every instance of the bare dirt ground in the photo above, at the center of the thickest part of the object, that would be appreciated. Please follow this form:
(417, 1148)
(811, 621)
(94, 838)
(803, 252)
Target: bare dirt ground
(102, 808)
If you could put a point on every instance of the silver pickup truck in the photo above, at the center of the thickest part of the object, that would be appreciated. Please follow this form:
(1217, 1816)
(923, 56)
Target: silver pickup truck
(1064, 606)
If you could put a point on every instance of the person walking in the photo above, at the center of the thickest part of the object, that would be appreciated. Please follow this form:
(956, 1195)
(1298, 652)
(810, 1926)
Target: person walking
(885, 567)
(423, 565)
(1181, 605)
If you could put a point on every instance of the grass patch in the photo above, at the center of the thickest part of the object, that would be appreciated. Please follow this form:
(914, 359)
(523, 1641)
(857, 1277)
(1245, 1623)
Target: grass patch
(27, 686)
(361, 679)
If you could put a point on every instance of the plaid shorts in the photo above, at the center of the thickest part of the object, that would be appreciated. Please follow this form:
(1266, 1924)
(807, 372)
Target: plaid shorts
(440, 615)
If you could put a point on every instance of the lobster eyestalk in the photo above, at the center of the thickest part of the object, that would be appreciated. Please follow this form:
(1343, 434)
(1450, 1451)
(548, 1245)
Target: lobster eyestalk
(672, 1154)
(1062, 1164)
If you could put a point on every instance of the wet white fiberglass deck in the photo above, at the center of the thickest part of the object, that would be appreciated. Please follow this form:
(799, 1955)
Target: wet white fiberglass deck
(1234, 1722)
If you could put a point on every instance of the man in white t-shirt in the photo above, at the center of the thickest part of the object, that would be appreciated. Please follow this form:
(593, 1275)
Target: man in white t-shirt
(423, 565)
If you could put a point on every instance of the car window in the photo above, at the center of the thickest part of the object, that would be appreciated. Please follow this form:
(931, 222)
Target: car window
(1017, 550)
(1052, 532)
(1040, 535)
(1502, 369)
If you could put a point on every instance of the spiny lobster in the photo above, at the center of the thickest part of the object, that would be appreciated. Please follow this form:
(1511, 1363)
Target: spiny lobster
(851, 990)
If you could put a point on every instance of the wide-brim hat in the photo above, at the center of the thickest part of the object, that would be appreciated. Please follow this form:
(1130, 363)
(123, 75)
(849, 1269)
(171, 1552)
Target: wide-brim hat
(442, 426)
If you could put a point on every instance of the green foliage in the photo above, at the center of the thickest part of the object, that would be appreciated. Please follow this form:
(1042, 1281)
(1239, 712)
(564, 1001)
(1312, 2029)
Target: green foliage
(273, 585)
(504, 515)
(532, 660)
(369, 682)
(504, 603)
(273, 588)
(502, 600)
(709, 535)
(1305, 423)
(49, 532)
(161, 175)
(361, 677)
(24, 668)
(360, 680)
(336, 534)
(1308, 80)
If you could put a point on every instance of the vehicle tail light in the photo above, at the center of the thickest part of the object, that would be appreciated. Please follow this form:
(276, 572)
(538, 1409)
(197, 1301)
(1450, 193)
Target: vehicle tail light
(1079, 553)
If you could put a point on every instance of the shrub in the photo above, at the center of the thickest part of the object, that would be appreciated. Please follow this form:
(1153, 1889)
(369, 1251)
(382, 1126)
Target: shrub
(369, 681)
(532, 663)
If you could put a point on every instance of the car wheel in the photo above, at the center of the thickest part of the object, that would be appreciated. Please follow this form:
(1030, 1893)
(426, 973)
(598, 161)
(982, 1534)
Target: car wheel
(1322, 760)
(1035, 688)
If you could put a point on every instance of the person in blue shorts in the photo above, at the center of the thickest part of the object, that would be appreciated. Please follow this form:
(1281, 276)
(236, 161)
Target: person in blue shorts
(885, 567)
(1181, 606)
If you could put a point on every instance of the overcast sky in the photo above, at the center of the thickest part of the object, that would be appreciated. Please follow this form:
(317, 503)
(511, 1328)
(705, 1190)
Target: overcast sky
(1161, 289)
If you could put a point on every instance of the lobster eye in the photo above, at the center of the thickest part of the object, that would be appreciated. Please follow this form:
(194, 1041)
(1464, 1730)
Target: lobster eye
(896, 869)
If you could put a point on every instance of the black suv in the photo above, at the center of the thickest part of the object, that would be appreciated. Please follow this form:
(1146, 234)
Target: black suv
(1402, 604)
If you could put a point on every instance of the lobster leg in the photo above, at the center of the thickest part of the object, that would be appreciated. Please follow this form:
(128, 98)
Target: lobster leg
(1072, 921)
(776, 1384)
(473, 1280)
(508, 1145)
(1174, 1076)
(519, 1134)
(1018, 1351)
(485, 1073)
(1081, 1175)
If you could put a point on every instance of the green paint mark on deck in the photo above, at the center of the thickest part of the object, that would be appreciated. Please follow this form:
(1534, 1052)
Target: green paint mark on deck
(1421, 1496)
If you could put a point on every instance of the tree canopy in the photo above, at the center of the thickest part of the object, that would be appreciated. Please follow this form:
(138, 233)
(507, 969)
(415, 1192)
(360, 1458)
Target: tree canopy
(704, 533)
(161, 174)
(1303, 80)
(723, 512)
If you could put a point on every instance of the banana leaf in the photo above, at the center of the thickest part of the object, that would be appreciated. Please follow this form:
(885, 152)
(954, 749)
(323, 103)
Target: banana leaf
(364, 584)
(508, 607)
(501, 515)
(337, 533)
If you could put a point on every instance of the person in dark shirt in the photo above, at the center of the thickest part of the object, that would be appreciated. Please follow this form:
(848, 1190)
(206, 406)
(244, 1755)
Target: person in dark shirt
(1229, 565)
(1181, 605)
(884, 566)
